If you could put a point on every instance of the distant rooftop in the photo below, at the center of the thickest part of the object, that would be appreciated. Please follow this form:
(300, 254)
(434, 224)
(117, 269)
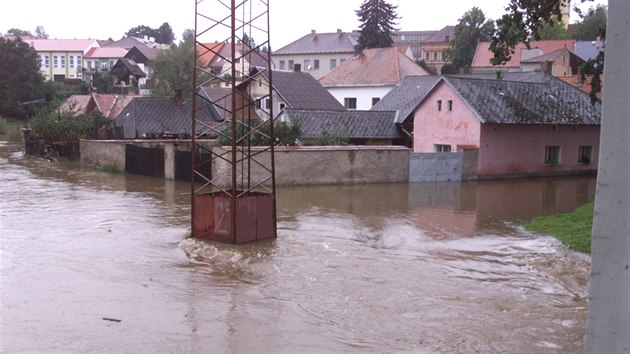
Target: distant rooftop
(339, 42)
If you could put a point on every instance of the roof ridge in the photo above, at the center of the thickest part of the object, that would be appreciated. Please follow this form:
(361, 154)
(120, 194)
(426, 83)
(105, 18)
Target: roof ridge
(397, 64)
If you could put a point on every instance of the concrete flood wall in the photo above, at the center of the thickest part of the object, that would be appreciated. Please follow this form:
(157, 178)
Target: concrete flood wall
(294, 165)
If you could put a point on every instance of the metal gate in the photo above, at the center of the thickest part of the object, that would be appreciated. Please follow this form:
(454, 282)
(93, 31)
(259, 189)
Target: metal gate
(144, 161)
(435, 167)
(183, 166)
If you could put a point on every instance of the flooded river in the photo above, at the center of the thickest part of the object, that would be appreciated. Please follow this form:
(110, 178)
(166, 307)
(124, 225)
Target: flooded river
(99, 262)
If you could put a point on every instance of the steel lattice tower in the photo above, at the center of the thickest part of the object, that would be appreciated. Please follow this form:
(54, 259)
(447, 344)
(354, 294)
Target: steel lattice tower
(233, 187)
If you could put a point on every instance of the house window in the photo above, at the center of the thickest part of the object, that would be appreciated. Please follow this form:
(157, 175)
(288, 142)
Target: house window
(281, 106)
(111, 64)
(47, 61)
(307, 64)
(341, 61)
(427, 56)
(585, 154)
(103, 66)
(282, 67)
(375, 100)
(552, 155)
(316, 64)
(450, 105)
(350, 102)
(441, 148)
(63, 61)
(267, 103)
(290, 64)
(72, 61)
(79, 62)
(435, 56)
(333, 63)
(41, 60)
(55, 61)
(439, 105)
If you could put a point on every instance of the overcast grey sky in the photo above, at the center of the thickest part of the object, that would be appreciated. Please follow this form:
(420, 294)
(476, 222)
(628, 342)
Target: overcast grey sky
(290, 19)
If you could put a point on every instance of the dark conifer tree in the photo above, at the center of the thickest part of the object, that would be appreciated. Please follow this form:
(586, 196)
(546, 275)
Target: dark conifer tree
(377, 23)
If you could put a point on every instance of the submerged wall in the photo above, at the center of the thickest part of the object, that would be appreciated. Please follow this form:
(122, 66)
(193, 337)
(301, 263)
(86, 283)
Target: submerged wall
(294, 165)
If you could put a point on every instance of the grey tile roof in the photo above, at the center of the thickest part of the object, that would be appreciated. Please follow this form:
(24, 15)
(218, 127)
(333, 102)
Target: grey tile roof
(406, 96)
(148, 53)
(588, 49)
(320, 43)
(513, 102)
(222, 97)
(301, 91)
(446, 34)
(130, 66)
(346, 124)
(154, 115)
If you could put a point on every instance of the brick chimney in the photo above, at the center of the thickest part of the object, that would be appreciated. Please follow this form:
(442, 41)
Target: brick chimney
(313, 32)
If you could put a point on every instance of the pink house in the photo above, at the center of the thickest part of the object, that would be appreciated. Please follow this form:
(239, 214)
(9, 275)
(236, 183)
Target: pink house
(509, 128)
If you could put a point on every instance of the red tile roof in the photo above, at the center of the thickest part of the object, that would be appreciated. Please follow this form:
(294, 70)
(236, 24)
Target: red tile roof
(374, 67)
(206, 52)
(575, 81)
(109, 105)
(483, 53)
(62, 45)
(106, 52)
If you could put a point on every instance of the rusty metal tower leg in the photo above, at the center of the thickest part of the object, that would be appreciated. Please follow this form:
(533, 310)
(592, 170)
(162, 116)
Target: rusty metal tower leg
(233, 187)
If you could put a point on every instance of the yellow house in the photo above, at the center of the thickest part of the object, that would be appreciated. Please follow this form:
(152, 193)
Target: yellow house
(62, 58)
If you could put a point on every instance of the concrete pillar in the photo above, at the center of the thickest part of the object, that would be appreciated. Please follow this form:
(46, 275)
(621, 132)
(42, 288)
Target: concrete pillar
(169, 161)
(608, 324)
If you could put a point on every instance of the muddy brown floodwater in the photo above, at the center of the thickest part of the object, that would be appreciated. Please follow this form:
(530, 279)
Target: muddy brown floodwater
(373, 268)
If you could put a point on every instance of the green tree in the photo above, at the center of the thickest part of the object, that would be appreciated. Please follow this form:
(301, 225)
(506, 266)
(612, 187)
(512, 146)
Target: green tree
(553, 30)
(523, 21)
(188, 36)
(20, 78)
(470, 30)
(449, 69)
(18, 32)
(423, 64)
(41, 32)
(165, 34)
(103, 83)
(377, 19)
(173, 70)
(592, 25)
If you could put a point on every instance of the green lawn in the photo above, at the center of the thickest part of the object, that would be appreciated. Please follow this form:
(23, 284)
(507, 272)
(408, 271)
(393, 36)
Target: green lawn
(573, 229)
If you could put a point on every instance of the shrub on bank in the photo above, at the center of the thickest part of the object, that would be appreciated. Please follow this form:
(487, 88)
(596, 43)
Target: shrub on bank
(572, 229)
(61, 132)
(4, 126)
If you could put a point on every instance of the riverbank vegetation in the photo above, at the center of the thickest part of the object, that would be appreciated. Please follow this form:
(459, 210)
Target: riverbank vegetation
(59, 133)
(572, 229)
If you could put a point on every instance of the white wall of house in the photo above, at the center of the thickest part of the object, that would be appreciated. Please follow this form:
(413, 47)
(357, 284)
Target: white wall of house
(259, 92)
(62, 63)
(286, 62)
(363, 95)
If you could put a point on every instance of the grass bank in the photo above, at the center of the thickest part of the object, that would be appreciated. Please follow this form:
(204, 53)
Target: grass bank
(573, 229)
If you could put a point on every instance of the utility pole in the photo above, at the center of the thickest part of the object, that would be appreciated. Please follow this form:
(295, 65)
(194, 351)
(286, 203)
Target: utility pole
(233, 188)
